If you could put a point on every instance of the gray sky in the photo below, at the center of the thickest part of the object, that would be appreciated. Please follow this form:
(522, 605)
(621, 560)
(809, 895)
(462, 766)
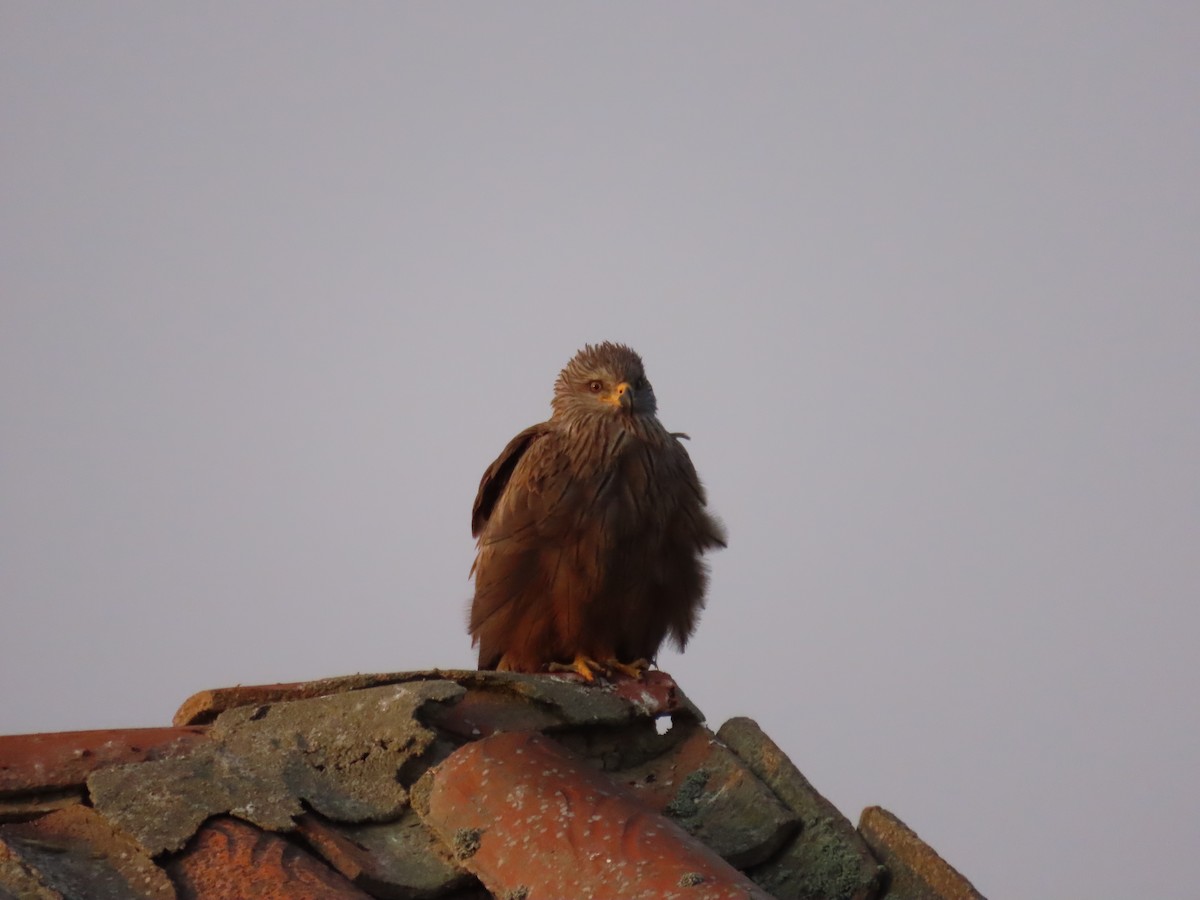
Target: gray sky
(920, 280)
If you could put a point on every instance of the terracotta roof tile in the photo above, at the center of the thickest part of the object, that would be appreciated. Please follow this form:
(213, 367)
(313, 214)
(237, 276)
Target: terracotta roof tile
(395, 859)
(77, 853)
(916, 871)
(23, 807)
(533, 783)
(511, 798)
(230, 860)
(65, 759)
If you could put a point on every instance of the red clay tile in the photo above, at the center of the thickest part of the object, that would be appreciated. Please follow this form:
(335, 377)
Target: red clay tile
(400, 859)
(655, 694)
(76, 853)
(229, 860)
(54, 761)
(535, 821)
(917, 872)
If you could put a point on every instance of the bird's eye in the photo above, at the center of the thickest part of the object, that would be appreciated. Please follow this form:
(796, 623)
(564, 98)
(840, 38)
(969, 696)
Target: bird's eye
(595, 386)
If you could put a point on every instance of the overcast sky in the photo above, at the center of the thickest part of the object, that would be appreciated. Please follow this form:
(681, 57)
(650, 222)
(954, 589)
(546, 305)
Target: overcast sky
(921, 281)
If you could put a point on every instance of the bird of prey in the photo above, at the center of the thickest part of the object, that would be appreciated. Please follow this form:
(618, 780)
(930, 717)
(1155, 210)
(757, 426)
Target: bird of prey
(591, 528)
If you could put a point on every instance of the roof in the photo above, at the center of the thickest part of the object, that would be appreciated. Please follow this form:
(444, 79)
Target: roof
(455, 784)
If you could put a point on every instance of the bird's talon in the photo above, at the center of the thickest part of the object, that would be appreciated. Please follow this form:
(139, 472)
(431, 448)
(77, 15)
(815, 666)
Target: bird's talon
(636, 669)
(584, 666)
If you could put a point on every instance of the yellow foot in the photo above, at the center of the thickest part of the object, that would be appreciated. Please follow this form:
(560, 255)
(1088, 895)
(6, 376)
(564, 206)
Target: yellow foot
(636, 669)
(584, 665)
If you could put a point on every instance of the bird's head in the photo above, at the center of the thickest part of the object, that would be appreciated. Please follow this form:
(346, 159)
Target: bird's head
(603, 380)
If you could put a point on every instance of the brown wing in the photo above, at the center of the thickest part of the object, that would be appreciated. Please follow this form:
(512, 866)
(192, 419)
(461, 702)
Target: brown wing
(528, 504)
(495, 479)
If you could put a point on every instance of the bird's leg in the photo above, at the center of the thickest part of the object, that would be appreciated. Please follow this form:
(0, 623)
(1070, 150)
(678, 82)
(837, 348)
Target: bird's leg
(636, 669)
(582, 664)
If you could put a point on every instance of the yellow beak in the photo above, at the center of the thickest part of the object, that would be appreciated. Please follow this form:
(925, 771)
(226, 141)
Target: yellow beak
(622, 395)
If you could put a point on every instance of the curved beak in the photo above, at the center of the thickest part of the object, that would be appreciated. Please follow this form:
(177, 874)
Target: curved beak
(622, 396)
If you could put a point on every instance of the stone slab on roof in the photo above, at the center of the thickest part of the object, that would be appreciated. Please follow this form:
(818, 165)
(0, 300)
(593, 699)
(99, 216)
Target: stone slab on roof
(403, 785)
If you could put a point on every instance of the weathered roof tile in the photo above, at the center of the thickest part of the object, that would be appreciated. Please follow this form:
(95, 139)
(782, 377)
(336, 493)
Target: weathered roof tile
(484, 712)
(704, 787)
(203, 707)
(827, 859)
(916, 871)
(550, 699)
(230, 860)
(22, 807)
(75, 852)
(340, 754)
(47, 762)
(400, 860)
(511, 798)
(540, 785)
